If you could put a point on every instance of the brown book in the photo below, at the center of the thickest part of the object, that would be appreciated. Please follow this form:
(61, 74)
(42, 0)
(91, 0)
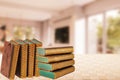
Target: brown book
(9, 59)
(36, 69)
(31, 54)
(22, 59)
(14, 58)
(55, 66)
(54, 50)
(54, 58)
(57, 73)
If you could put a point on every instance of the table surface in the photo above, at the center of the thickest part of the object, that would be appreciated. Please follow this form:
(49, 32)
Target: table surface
(89, 67)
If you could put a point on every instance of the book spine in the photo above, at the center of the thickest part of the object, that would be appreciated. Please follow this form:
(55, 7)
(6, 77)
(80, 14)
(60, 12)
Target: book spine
(60, 58)
(14, 61)
(53, 51)
(36, 62)
(58, 51)
(55, 66)
(24, 61)
(63, 64)
(57, 74)
(31, 60)
(54, 58)
(6, 59)
(64, 72)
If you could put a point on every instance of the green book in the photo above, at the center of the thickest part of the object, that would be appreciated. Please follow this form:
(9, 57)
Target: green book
(36, 42)
(57, 73)
(55, 66)
(54, 58)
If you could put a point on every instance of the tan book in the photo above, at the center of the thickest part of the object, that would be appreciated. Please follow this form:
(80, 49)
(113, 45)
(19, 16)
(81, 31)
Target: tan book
(9, 59)
(55, 66)
(36, 69)
(54, 50)
(14, 59)
(54, 58)
(58, 73)
(31, 54)
(22, 59)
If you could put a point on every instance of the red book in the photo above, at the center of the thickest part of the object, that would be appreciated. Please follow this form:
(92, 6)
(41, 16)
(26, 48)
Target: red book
(6, 59)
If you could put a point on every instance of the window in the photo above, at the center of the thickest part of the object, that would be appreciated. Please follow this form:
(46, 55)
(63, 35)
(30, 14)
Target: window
(101, 33)
(80, 36)
(95, 26)
(113, 31)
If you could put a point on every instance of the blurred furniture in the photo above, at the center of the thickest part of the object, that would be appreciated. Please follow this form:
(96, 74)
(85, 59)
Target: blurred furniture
(1, 49)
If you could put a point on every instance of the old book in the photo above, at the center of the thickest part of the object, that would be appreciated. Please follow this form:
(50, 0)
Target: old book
(55, 66)
(31, 54)
(37, 44)
(22, 59)
(14, 58)
(57, 73)
(54, 58)
(9, 60)
(53, 51)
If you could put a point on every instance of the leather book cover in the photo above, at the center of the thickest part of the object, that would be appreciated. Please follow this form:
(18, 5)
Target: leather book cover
(54, 51)
(31, 54)
(58, 73)
(7, 59)
(55, 66)
(37, 44)
(14, 59)
(54, 58)
(22, 59)
(10, 58)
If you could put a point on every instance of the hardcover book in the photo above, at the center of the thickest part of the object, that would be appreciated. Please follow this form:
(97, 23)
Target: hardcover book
(57, 73)
(54, 58)
(37, 44)
(22, 59)
(53, 51)
(9, 59)
(31, 54)
(55, 66)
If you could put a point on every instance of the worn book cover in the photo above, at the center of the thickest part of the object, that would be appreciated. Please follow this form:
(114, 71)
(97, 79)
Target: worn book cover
(14, 58)
(37, 44)
(31, 55)
(9, 59)
(55, 66)
(22, 59)
(58, 73)
(54, 50)
(54, 58)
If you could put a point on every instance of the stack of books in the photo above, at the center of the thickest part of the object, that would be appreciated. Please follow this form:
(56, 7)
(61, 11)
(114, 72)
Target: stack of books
(19, 58)
(27, 58)
(55, 62)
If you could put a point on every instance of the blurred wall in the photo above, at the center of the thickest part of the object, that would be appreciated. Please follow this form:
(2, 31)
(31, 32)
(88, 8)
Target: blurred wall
(11, 23)
(100, 6)
(63, 18)
(71, 15)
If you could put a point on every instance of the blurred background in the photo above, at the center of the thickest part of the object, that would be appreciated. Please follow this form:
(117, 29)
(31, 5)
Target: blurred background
(91, 26)
(88, 27)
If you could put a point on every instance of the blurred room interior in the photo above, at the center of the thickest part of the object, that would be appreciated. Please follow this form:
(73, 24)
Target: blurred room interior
(91, 26)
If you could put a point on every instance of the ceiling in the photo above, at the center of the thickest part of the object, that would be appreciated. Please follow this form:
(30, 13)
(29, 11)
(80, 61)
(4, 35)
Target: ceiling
(36, 9)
